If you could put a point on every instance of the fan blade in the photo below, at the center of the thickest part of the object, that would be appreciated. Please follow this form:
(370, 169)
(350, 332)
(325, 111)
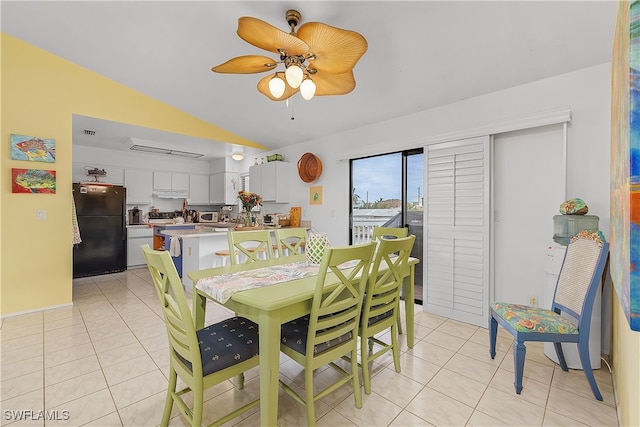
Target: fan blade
(263, 88)
(247, 64)
(336, 50)
(333, 84)
(267, 37)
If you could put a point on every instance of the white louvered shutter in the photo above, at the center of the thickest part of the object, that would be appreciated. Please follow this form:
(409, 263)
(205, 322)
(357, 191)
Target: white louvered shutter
(457, 230)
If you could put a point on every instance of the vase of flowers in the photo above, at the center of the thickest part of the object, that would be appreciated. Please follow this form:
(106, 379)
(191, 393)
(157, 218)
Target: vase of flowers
(249, 201)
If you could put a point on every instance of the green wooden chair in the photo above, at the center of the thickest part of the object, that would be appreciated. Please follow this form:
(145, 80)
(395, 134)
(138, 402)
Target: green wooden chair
(290, 241)
(389, 232)
(381, 304)
(330, 331)
(201, 358)
(251, 244)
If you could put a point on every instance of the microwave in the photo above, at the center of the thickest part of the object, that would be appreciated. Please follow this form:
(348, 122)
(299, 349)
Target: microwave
(207, 216)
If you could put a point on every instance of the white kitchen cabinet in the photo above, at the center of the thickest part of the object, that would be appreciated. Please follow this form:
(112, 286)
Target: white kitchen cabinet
(224, 187)
(271, 181)
(170, 181)
(137, 235)
(139, 184)
(199, 189)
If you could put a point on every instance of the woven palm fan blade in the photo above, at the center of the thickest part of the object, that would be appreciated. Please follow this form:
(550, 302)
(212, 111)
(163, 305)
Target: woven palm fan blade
(336, 50)
(263, 88)
(247, 64)
(265, 36)
(334, 84)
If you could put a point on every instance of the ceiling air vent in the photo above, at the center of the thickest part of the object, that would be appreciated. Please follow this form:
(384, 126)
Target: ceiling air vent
(168, 152)
(89, 132)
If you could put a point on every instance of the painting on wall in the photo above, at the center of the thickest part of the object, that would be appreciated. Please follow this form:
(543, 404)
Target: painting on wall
(33, 149)
(625, 161)
(33, 181)
(315, 195)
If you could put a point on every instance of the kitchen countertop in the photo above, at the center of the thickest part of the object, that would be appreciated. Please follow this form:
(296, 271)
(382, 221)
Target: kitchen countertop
(199, 232)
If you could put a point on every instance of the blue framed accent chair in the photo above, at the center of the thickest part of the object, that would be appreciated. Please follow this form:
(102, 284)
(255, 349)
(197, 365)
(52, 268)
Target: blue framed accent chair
(578, 282)
(202, 358)
(330, 331)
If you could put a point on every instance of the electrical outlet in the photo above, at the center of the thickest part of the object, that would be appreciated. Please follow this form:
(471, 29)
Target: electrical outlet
(533, 301)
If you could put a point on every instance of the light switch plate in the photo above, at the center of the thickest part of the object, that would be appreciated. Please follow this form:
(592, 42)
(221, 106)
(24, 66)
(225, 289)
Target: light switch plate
(41, 214)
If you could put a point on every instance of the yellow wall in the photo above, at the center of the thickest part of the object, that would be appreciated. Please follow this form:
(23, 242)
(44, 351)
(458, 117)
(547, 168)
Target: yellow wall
(40, 92)
(626, 367)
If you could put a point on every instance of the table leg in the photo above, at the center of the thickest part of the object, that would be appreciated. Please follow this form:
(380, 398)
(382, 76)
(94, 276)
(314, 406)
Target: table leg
(199, 309)
(269, 328)
(409, 298)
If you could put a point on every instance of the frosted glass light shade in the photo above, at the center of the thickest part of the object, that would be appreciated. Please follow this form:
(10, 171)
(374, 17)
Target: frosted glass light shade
(307, 89)
(294, 76)
(276, 86)
(237, 156)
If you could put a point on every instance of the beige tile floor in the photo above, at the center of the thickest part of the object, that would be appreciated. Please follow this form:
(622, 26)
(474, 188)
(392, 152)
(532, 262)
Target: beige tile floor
(103, 362)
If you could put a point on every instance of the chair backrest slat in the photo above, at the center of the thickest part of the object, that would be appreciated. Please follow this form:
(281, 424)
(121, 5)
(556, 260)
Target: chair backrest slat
(337, 301)
(250, 244)
(176, 311)
(383, 287)
(291, 239)
(397, 232)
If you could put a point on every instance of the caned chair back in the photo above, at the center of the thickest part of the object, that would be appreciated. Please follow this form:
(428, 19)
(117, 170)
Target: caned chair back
(576, 275)
(391, 232)
(291, 240)
(251, 244)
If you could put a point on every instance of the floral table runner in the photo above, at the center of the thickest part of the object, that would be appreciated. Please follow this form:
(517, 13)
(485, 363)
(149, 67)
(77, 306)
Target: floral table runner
(222, 287)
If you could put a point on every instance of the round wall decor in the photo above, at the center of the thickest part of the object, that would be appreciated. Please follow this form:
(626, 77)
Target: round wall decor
(309, 167)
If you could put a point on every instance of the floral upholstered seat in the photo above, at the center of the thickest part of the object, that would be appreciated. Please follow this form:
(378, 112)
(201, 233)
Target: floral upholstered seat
(524, 318)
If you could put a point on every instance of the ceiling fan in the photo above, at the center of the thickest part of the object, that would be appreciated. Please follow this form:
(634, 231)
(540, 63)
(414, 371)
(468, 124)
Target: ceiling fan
(318, 58)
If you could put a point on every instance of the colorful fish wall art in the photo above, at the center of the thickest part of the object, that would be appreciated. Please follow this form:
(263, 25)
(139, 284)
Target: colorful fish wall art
(33, 181)
(625, 161)
(33, 149)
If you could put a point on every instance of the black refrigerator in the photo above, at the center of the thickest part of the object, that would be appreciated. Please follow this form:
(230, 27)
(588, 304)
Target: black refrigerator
(101, 220)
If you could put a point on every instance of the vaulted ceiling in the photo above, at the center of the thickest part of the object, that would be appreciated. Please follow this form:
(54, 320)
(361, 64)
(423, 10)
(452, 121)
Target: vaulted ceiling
(421, 55)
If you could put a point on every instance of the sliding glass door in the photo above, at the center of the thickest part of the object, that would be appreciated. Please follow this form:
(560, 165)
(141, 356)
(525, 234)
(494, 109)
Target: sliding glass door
(387, 190)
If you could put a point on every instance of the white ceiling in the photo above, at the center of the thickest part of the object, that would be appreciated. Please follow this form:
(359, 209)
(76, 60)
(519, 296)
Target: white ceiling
(422, 54)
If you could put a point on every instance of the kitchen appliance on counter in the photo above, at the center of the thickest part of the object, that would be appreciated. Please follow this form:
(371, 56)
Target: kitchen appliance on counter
(135, 216)
(101, 219)
(207, 216)
(161, 217)
(225, 214)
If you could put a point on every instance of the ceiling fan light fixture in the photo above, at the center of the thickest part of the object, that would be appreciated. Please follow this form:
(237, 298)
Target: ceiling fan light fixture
(307, 89)
(294, 75)
(237, 156)
(276, 86)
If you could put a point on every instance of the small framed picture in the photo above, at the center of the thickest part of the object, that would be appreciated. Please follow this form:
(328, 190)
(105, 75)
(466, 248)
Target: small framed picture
(33, 181)
(315, 195)
(33, 149)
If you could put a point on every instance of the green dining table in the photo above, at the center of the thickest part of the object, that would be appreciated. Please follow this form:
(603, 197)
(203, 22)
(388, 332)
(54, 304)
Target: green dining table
(271, 306)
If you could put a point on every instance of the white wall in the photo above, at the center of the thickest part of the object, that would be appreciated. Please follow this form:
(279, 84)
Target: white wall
(586, 92)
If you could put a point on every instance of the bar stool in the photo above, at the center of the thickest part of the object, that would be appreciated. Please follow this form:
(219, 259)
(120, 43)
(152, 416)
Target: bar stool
(223, 257)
